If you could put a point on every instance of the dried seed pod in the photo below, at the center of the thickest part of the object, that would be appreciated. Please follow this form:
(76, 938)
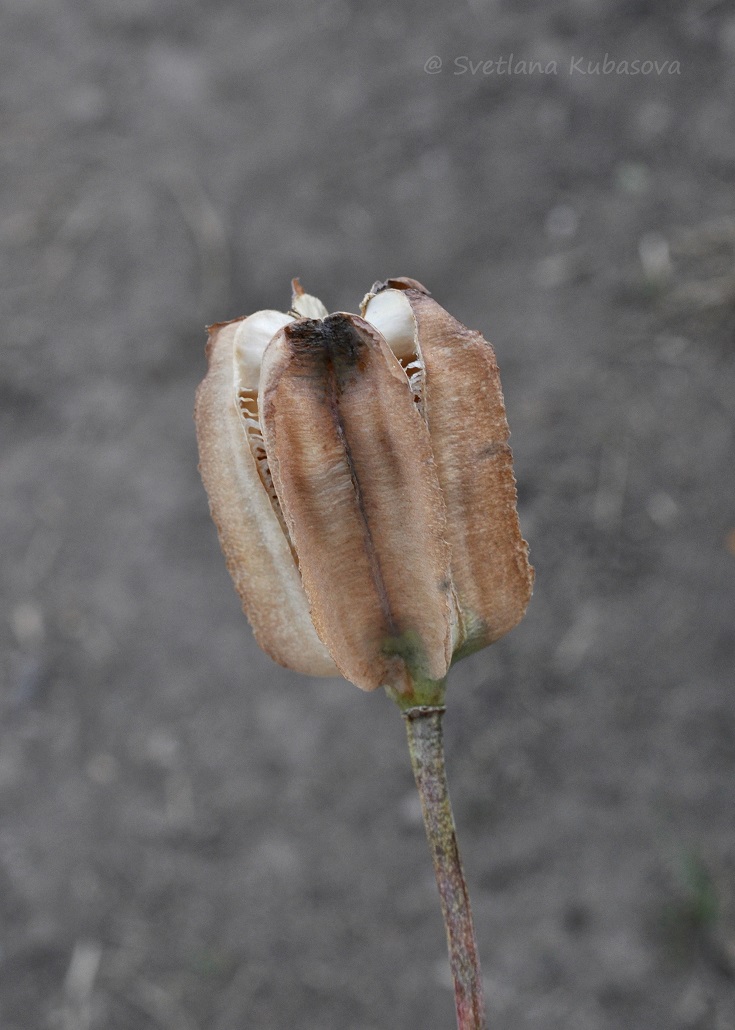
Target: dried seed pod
(361, 481)
(244, 506)
(352, 466)
(462, 401)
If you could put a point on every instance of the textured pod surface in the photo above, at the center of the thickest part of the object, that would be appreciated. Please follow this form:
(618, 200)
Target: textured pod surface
(462, 401)
(353, 469)
(256, 549)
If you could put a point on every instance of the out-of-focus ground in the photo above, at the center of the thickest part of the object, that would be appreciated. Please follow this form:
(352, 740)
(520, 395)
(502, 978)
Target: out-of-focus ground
(193, 838)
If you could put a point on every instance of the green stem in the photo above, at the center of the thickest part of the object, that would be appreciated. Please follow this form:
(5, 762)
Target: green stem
(425, 743)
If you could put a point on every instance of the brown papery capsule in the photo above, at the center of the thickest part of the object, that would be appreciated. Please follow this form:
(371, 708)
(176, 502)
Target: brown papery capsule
(243, 503)
(353, 469)
(457, 377)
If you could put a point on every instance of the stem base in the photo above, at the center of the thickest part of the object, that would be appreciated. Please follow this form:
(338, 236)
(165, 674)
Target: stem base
(426, 746)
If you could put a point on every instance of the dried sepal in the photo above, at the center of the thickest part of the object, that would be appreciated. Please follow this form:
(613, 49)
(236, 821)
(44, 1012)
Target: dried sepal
(243, 504)
(463, 405)
(352, 465)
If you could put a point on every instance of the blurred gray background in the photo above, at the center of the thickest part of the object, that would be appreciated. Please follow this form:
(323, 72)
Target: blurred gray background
(193, 838)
